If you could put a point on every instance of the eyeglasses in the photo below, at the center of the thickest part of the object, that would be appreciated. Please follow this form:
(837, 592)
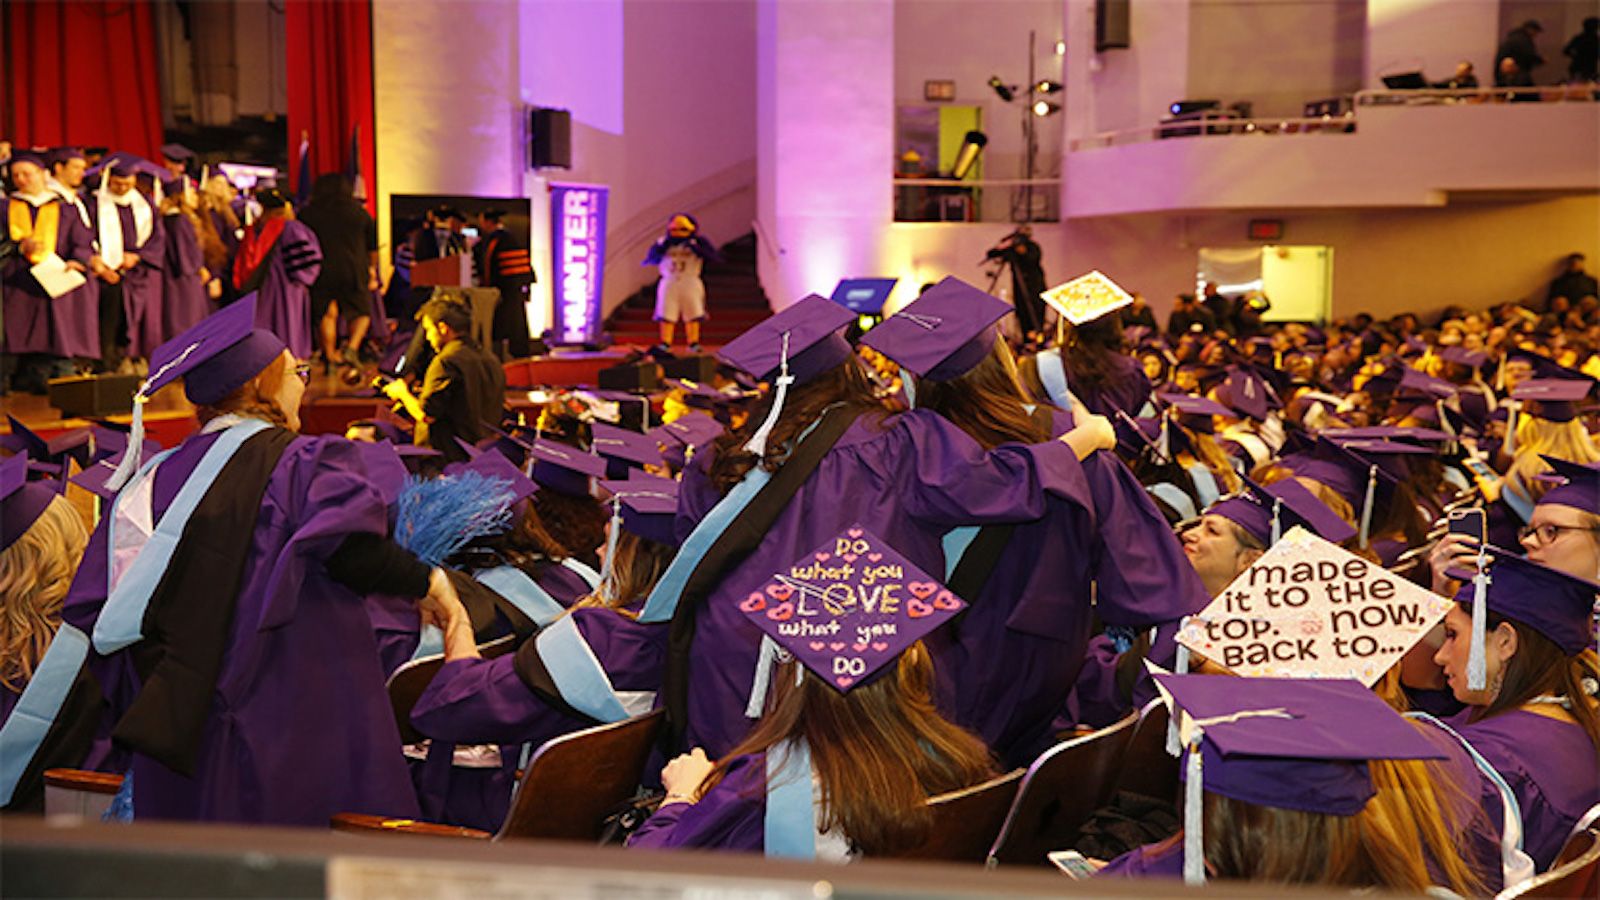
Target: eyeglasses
(1548, 532)
(303, 372)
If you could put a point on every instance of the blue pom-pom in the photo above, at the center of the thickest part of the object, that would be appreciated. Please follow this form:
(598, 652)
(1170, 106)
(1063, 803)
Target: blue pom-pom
(436, 517)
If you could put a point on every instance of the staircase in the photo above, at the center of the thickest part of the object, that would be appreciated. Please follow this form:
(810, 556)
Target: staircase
(734, 300)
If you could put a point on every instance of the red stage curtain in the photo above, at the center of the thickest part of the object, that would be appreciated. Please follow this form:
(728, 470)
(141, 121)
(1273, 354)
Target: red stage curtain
(330, 86)
(81, 72)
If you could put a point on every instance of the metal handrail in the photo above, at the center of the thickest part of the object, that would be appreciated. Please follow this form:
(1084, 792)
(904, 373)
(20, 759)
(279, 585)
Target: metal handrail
(982, 182)
(1547, 93)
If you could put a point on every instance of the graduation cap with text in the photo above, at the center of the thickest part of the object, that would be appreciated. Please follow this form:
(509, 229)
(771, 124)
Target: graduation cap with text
(1580, 487)
(215, 357)
(1285, 743)
(848, 609)
(942, 334)
(1087, 298)
(22, 502)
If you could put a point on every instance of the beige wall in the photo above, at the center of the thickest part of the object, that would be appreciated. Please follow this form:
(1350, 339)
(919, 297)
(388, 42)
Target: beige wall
(1384, 261)
(1275, 55)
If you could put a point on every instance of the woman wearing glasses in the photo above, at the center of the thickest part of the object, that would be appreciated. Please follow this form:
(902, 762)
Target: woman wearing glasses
(1563, 531)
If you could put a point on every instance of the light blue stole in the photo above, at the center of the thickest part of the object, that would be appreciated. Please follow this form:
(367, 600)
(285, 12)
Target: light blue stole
(517, 587)
(1173, 496)
(955, 542)
(40, 703)
(1205, 484)
(1053, 375)
(664, 597)
(583, 570)
(579, 677)
(790, 824)
(1515, 864)
(121, 619)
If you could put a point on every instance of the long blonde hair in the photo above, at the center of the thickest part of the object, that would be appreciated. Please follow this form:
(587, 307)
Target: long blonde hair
(1541, 437)
(35, 573)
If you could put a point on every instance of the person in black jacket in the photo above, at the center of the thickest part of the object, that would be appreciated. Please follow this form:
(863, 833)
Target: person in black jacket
(1583, 52)
(1518, 47)
(344, 288)
(1573, 283)
(464, 391)
(1189, 316)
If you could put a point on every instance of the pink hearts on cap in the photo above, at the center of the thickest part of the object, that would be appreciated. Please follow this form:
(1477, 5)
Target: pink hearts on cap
(855, 532)
(922, 590)
(753, 603)
(781, 613)
(823, 557)
(817, 645)
(780, 592)
(836, 646)
(848, 557)
(874, 557)
(880, 646)
(946, 600)
(844, 681)
(915, 608)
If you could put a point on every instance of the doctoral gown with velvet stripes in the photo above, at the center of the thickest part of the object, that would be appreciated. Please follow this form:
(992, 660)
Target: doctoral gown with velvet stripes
(283, 305)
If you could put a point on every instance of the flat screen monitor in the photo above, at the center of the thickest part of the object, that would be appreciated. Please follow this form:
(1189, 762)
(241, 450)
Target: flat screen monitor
(1405, 81)
(864, 295)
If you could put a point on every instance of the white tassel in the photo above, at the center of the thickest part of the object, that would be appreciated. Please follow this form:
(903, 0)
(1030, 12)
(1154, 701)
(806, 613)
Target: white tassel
(1477, 656)
(909, 386)
(1181, 667)
(1366, 506)
(614, 533)
(1194, 846)
(1512, 408)
(765, 660)
(758, 441)
(130, 456)
(1277, 520)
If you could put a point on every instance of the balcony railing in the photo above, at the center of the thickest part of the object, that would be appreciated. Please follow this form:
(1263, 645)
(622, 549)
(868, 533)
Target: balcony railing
(985, 200)
(1211, 124)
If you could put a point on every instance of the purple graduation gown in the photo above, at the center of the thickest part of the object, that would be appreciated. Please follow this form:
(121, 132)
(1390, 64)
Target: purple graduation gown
(1550, 767)
(183, 295)
(483, 701)
(1118, 560)
(68, 325)
(283, 305)
(731, 816)
(301, 726)
(1125, 389)
(1163, 860)
(908, 479)
(142, 297)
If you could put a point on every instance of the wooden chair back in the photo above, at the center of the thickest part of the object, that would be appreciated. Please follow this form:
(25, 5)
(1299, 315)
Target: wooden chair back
(965, 822)
(575, 780)
(78, 793)
(1575, 874)
(1148, 768)
(407, 683)
(1059, 792)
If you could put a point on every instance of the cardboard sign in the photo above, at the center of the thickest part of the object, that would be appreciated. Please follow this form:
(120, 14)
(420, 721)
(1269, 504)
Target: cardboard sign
(1309, 609)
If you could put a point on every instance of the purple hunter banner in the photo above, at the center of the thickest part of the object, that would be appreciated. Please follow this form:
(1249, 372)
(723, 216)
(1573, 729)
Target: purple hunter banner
(578, 243)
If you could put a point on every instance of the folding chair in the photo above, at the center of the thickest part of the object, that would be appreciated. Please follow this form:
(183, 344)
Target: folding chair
(1059, 792)
(1576, 872)
(965, 822)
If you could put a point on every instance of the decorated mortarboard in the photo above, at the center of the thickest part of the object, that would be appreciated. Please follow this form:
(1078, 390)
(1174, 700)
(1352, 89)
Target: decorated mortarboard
(1550, 601)
(565, 469)
(1267, 511)
(942, 334)
(792, 347)
(1461, 356)
(623, 449)
(1580, 488)
(849, 608)
(215, 357)
(1087, 298)
(864, 296)
(1285, 743)
(1551, 399)
(22, 502)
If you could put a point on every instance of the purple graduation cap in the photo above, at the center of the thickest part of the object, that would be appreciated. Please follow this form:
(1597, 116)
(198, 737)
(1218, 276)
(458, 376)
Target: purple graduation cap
(1407, 433)
(792, 347)
(1357, 470)
(215, 357)
(94, 478)
(49, 456)
(1580, 488)
(942, 334)
(691, 430)
(1268, 511)
(1246, 393)
(491, 463)
(1419, 382)
(1551, 602)
(22, 502)
(646, 506)
(110, 442)
(846, 610)
(1287, 743)
(565, 469)
(1546, 368)
(1556, 401)
(1195, 413)
(1461, 356)
(623, 449)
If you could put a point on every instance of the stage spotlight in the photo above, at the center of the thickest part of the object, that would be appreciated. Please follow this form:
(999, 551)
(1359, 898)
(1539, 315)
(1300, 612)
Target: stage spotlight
(1001, 89)
(1047, 87)
(1061, 48)
(1044, 108)
(967, 157)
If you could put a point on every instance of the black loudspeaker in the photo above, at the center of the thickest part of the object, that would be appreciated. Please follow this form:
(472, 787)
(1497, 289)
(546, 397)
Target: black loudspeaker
(550, 138)
(695, 368)
(1111, 28)
(93, 395)
(638, 376)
